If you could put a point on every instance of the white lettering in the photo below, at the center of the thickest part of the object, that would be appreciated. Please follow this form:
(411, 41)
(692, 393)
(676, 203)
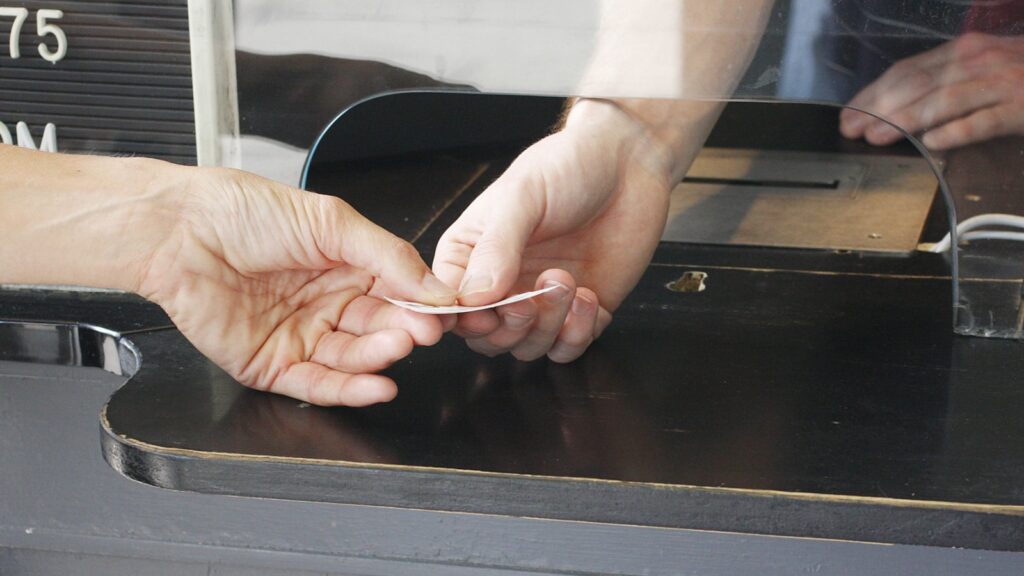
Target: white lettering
(44, 28)
(25, 139)
(19, 15)
(5, 134)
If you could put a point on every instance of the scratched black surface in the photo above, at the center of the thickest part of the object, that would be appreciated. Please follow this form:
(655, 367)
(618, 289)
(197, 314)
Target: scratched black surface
(782, 381)
(833, 385)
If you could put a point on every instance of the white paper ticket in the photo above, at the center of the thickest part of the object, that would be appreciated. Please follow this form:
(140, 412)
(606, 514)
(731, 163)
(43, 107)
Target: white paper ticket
(427, 309)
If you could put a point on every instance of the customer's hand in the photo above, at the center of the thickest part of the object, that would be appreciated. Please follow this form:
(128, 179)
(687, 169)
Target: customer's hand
(583, 209)
(279, 287)
(965, 91)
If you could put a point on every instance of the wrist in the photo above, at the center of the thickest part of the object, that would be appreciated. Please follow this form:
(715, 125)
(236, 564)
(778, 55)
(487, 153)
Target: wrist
(667, 134)
(155, 197)
(638, 141)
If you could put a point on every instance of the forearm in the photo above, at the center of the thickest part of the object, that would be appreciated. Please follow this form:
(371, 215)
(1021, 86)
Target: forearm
(83, 220)
(670, 66)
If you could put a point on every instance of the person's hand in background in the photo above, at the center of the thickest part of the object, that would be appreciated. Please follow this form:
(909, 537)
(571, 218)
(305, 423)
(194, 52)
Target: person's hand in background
(276, 285)
(963, 92)
(583, 209)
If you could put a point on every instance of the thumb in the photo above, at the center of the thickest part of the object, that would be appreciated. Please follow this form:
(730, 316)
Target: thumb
(366, 245)
(483, 249)
(494, 262)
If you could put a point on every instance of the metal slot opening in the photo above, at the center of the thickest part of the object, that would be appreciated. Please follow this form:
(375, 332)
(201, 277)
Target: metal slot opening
(833, 185)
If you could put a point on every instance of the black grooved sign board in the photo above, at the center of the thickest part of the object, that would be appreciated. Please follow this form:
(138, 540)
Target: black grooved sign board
(111, 78)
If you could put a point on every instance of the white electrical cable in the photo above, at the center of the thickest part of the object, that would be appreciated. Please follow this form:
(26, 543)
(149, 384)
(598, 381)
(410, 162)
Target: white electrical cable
(993, 235)
(963, 229)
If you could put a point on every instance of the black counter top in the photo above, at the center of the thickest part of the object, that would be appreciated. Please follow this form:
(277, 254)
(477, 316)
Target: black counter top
(803, 394)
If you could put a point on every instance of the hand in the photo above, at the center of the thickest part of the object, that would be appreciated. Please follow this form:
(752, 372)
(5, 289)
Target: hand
(963, 92)
(583, 209)
(278, 287)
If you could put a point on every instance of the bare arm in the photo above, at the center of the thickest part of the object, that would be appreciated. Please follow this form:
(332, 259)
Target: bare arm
(671, 65)
(90, 221)
(585, 207)
(276, 285)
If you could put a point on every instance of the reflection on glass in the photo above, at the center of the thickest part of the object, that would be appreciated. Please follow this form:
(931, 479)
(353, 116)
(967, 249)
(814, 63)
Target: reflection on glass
(944, 73)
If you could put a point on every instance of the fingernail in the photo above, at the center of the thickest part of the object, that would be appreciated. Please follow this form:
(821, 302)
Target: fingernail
(517, 321)
(556, 295)
(582, 306)
(474, 284)
(438, 289)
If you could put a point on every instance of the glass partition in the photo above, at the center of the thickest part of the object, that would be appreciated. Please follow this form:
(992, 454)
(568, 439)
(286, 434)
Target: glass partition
(918, 87)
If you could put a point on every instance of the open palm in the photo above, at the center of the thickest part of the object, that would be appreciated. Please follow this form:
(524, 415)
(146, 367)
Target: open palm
(278, 287)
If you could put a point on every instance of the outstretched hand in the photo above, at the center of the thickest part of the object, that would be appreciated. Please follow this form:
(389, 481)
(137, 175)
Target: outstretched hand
(965, 91)
(582, 209)
(279, 287)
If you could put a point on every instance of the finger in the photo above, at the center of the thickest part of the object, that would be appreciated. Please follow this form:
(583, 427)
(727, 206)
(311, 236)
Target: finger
(477, 324)
(552, 309)
(489, 251)
(853, 123)
(362, 354)
(604, 318)
(451, 256)
(515, 321)
(366, 315)
(911, 79)
(448, 322)
(977, 127)
(936, 108)
(317, 384)
(579, 330)
(343, 234)
(903, 83)
(493, 266)
(482, 346)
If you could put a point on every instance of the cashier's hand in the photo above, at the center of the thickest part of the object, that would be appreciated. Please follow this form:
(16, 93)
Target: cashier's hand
(963, 92)
(279, 286)
(582, 209)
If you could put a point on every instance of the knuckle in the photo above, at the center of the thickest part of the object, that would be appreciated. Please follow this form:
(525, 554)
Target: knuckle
(563, 354)
(402, 248)
(331, 205)
(261, 384)
(884, 105)
(317, 390)
(970, 43)
(1010, 80)
(576, 339)
(489, 247)
(921, 78)
(961, 131)
(481, 347)
(987, 122)
(527, 354)
(330, 210)
(947, 95)
(906, 120)
(989, 58)
(899, 69)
